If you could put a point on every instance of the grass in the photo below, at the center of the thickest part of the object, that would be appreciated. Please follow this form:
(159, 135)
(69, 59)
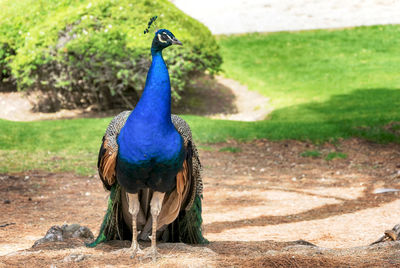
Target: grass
(313, 154)
(324, 85)
(328, 157)
(57, 145)
(333, 155)
(295, 68)
(230, 149)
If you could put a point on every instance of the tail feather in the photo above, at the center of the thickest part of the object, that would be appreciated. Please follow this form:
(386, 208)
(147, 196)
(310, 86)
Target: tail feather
(112, 225)
(187, 227)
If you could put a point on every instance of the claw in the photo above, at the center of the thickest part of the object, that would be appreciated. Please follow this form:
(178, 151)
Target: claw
(391, 234)
(150, 253)
(133, 251)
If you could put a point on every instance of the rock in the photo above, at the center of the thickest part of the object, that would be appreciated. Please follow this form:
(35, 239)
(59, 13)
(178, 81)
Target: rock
(57, 233)
(52, 235)
(70, 228)
(83, 232)
(303, 242)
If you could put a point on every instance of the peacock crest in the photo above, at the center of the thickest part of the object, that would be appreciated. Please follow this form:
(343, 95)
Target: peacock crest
(151, 22)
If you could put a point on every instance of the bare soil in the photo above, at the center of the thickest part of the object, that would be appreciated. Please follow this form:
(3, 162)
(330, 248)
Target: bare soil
(257, 204)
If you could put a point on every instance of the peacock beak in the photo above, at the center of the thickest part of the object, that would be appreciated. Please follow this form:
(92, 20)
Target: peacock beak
(176, 42)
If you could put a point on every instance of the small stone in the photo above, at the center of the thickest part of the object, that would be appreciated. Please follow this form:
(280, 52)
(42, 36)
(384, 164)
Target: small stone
(68, 230)
(74, 258)
(53, 234)
(83, 232)
(294, 179)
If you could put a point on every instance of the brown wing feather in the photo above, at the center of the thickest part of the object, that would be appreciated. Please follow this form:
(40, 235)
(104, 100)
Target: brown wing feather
(106, 164)
(173, 202)
(109, 150)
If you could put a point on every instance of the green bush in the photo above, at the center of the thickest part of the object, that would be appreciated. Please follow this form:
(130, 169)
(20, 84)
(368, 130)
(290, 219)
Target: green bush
(84, 52)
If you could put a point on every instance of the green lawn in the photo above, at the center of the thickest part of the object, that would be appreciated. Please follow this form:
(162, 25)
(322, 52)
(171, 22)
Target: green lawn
(301, 67)
(324, 85)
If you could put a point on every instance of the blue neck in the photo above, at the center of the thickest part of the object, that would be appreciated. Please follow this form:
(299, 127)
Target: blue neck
(148, 134)
(155, 103)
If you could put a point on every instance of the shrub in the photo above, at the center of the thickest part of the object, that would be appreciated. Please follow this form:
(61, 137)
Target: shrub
(85, 52)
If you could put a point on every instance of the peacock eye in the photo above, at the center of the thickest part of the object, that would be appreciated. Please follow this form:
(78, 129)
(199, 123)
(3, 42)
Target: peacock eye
(164, 37)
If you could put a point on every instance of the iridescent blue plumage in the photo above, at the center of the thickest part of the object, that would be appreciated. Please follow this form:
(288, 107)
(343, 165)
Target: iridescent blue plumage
(151, 150)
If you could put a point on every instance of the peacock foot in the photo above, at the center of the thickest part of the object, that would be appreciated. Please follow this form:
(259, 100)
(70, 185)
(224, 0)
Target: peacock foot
(133, 251)
(150, 253)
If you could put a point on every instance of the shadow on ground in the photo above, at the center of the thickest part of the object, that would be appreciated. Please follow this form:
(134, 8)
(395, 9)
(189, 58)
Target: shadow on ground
(361, 113)
(206, 96)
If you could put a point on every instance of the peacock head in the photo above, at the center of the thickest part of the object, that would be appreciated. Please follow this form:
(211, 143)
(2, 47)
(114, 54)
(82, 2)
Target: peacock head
(162, 39)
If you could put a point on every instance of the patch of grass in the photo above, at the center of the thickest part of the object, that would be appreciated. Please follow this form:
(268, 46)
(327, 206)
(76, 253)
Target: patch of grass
(333, 155)
(206, 148)
(230, 149)
(75, 143)
(323, 84)
(58, 145)
(312, 66)
(81, 162)
(313, 154)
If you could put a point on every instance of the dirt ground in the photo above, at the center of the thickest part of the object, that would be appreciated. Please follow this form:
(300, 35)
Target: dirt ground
(257, 204)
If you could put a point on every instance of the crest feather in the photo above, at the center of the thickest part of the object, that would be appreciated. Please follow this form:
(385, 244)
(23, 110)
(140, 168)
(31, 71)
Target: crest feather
(151, 21)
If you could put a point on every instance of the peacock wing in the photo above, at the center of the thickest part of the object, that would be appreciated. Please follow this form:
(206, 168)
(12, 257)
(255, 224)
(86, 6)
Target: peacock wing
(188, 180)
(109, 150)
(192, 168)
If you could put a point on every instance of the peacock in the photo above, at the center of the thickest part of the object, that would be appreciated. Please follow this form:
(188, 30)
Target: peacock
(149, 163)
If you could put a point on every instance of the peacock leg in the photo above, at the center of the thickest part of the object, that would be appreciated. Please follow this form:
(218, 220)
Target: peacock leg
(134, 206)
(155, 208)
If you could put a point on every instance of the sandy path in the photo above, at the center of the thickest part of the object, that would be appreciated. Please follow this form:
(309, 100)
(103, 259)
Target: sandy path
(241, 16)
(246, 105)
(251, 105)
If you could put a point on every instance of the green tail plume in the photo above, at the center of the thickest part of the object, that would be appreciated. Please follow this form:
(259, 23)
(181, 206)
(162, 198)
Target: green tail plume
(110, 226)
(190, 230)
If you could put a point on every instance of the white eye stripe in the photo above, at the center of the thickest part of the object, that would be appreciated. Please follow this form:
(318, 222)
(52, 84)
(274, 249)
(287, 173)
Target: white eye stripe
(160, 39)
